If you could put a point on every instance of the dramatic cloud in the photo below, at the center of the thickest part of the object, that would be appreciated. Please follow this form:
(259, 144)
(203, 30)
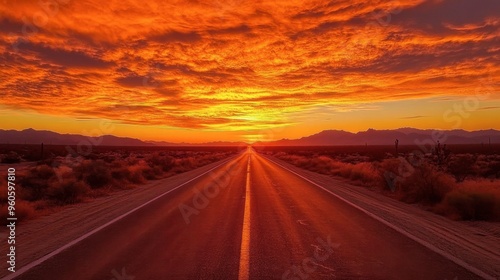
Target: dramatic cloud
(237, 65)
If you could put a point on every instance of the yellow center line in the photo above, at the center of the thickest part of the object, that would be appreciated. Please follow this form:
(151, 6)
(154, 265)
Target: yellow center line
(245, 233)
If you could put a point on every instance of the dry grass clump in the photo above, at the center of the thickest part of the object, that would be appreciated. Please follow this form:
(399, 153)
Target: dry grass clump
(363, 172)
(472, 200)
(462, 166)
(68, 191)
(11, 157)
(3, 190)
(23, 209)
(95, 173)
(163, 162)
(124, 174)
(36, 182)
(425, 185)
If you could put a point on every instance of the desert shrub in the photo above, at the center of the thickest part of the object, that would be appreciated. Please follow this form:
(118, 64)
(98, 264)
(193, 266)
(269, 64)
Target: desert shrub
(92, 156)
(24, 211)
(152, 173)
(492, 170)
(365, 172)
(462, 166)
(68, 191)
(163, 161)
(130, 160)
(125, 154)
(425, 185)
(108, 158)
(11, 157)
(299, 161)
(355, 158)
(33, 154)
(277, 154)
(95, 173)
(419, 182)
(472, 201)
(393, 171)
(320, 164)
(376, 156)
(3, 190)
(37, 181)
(141, 172)
(50, 161)
(120, 173)
(136, 173)
(207, 158)
(184, 164)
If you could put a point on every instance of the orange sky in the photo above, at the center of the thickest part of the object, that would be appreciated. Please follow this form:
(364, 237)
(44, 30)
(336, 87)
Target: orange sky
(198, 71)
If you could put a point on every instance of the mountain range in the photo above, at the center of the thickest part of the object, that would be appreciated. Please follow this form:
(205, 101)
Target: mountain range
(31, 136)
(406, 136)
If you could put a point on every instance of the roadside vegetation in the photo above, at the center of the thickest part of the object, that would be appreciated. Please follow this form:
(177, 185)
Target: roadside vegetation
(47, 185)
(463, 186)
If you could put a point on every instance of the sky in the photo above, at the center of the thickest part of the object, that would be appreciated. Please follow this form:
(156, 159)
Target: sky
(238, 70)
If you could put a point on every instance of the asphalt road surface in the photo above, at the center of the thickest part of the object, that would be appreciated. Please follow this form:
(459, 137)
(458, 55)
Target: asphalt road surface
(250, 218)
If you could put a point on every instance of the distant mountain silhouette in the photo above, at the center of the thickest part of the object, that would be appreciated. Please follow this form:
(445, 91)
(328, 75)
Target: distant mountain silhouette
(216, 143)
(31, 136)
(406, 136)
(221, 143)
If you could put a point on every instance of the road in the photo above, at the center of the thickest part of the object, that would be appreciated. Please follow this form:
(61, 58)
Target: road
(250, 218)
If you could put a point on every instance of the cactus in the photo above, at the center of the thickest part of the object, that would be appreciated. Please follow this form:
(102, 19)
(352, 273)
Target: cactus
(396, 143)
(442, 154)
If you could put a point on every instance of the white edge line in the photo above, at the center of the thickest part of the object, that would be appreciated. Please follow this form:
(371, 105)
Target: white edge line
(79, 239)
(400, 230)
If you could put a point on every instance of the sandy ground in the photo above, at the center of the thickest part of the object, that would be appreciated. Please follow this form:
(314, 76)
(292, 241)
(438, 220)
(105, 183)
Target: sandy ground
(476, 243)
